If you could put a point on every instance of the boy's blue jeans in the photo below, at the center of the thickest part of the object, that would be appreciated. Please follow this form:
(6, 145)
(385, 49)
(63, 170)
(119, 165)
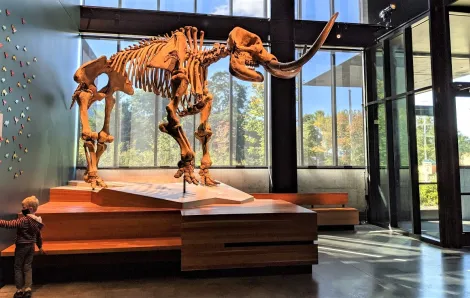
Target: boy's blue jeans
(24, 254)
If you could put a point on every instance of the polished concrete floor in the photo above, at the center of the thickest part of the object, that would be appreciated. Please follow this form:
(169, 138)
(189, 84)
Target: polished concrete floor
(370, 262)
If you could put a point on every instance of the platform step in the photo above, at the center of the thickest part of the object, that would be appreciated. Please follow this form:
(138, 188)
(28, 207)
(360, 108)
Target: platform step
(89, 207)
(70, 194)
(104, 246)
(86, 221)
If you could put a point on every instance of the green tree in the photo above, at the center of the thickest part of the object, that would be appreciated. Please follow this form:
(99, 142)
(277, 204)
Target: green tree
(317, 139)
(254, 128)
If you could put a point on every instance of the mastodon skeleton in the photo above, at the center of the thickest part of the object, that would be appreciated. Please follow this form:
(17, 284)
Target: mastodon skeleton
(167, 66)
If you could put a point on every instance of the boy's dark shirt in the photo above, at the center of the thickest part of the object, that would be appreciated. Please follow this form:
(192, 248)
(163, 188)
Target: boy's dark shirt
(28, 229)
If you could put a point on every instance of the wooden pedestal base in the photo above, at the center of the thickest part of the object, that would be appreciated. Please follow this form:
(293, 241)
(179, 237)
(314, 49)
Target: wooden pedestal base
(248, 234)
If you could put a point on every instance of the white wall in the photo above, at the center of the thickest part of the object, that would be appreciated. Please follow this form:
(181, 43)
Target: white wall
(352, 181)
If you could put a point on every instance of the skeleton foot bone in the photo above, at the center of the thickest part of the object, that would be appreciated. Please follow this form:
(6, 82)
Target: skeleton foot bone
(206, 177)
(94, 180)
(186, 168)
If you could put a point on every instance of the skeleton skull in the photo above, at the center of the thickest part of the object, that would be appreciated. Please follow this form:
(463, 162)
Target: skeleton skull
(247, 53)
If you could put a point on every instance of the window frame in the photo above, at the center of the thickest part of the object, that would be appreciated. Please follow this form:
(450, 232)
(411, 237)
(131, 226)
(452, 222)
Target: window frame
(332, 52)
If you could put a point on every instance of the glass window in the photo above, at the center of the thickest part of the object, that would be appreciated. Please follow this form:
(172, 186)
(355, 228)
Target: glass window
(460, 47)
(314, 89)
(168, 150)
(382, 204)
(421, 55)
(105, 3)
(136, 126)
(349, 11)
(397, 65)
(349, 109)
(248, 124)
(219, 86)
(92, 49)
(404, 183)
(179, 6)
(463, 129)
(379, 73)
(140, 4)
(217, 7)
(316, 111)
(249, 8)
(463, 108)
(315, 10)
(425, 142)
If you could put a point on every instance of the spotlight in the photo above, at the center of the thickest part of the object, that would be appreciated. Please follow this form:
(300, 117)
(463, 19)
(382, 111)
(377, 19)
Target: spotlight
(386, 15)
(338, 36)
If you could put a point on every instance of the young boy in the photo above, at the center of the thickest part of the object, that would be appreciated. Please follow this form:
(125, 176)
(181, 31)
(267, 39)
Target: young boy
(28, 233)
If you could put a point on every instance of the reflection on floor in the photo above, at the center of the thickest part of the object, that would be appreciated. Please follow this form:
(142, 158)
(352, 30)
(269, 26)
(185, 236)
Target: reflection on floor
(430, 227)
(370, 262)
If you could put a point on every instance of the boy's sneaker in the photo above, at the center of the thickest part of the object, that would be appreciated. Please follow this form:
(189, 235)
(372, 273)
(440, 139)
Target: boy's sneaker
(18, 294)
(27, 294)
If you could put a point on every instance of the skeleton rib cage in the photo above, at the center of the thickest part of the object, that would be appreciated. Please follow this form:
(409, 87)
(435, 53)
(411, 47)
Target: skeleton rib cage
(134, 61)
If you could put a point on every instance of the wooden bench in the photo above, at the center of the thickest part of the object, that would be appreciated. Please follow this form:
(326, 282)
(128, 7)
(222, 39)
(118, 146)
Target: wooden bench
(325, 204)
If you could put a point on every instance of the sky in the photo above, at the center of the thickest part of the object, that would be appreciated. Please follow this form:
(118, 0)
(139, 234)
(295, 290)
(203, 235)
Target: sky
(318, 10)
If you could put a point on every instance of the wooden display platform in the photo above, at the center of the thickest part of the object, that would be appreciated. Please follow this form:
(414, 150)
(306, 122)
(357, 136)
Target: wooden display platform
(150, 195)
(263, 233)
(248, 233)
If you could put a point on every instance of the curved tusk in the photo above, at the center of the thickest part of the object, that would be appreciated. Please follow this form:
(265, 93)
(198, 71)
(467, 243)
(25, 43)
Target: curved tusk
(310, 53)
(283, 74)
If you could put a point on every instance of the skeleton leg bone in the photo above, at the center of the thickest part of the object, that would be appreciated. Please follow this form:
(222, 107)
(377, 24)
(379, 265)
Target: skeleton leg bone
(204, 134)
(173, 127)
(84, 98)
(92, 170)
(104, 135)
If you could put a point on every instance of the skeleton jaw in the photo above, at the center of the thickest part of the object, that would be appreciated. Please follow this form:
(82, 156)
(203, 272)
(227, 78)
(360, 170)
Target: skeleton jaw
(243, 67)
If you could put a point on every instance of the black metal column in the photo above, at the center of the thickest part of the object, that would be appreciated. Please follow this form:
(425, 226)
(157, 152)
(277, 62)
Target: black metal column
(411, 123)
(392, 185)
(445, 124)
(372, 135)
(283, 122)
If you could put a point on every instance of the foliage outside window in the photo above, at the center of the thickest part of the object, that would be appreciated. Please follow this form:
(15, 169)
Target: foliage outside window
(330, 97)
(237, 121)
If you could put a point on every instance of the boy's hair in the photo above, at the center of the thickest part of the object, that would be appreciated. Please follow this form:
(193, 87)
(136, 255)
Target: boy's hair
(31, 202)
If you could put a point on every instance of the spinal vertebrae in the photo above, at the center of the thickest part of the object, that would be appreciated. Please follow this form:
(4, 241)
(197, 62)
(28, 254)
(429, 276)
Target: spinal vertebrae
(174, 67)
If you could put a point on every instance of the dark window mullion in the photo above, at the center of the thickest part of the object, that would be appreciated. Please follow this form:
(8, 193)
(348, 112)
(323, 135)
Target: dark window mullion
(412, 142)
(231, 135)
(117, 118)
(301, 120)
(333, 108)
(156, 120)
(390, 140)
